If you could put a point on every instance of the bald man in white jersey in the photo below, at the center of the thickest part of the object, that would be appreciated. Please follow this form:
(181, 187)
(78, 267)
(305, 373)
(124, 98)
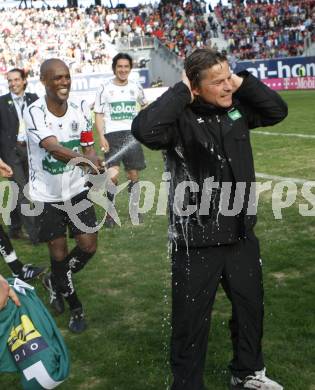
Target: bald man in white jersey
(57, 127)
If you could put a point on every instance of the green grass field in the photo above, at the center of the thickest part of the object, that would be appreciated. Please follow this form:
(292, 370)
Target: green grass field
(126, 287)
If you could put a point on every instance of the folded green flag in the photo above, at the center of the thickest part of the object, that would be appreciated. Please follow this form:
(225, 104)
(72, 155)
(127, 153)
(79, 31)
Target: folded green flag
(30, 341)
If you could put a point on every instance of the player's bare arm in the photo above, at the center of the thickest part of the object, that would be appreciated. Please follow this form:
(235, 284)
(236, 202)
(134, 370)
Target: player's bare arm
(99, 124)
(61, 153)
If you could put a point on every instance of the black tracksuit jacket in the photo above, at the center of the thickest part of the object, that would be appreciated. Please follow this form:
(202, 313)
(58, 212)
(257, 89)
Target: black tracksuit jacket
(215, 143)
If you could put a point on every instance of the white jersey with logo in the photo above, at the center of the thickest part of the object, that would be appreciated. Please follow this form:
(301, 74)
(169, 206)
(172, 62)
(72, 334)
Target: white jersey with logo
(51, 180)
(119, 104)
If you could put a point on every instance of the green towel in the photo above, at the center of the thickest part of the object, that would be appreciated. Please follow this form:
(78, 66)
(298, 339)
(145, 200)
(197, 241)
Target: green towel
(31, 343)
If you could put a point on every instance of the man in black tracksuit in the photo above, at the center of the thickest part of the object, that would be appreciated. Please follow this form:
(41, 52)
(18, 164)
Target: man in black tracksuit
(203, 125)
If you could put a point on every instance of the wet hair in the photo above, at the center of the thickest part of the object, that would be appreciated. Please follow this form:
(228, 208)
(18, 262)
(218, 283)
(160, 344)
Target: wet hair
(121, 56)
(200, 60)
(21, 72)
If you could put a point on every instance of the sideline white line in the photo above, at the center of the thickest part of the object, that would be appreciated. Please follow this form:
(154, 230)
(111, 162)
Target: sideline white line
(309, 136)
(282, 178)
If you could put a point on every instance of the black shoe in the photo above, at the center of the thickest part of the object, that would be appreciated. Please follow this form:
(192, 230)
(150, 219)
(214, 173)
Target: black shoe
(29, 272)
(77, 322)
(109, 222)
(55, 297)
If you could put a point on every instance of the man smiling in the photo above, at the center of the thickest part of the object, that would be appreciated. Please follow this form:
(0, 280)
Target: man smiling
(56, 129)
(13, 147)
(117, 102)
(203, 124)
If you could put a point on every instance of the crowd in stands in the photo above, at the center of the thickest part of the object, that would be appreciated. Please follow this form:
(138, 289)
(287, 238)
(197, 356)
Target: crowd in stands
(184, 26)
(84, 38)
(265, 29)
(29, 36)
(181, 27)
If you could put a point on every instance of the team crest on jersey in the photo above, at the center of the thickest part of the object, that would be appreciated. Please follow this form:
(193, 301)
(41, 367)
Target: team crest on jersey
(74, 126)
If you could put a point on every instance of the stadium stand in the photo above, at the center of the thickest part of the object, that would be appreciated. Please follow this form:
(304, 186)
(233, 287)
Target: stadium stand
(84, 37)
(28, 36)
(181, 27)
(81, 37)
(267, 29)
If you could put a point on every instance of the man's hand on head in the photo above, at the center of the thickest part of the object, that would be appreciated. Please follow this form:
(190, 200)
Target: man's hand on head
(236, 82)
(186, 81)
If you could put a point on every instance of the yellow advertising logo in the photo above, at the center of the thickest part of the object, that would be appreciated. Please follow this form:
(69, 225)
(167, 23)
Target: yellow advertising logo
(22, 334)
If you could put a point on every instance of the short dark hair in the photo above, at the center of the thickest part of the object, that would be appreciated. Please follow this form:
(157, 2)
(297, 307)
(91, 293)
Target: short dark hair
(121, 56)
(200, 60)
(19, 70)
(22, 73)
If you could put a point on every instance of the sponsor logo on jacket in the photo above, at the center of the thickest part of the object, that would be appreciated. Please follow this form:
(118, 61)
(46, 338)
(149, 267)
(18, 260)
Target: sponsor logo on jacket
(25, 340)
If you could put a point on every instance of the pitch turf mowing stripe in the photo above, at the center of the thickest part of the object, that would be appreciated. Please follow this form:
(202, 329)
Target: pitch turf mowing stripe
(284, 134)
(281, 178)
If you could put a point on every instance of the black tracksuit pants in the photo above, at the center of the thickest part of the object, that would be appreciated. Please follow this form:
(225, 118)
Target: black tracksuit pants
(195, 279)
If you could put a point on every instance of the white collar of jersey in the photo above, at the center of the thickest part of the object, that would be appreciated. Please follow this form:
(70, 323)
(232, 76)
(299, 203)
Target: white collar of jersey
(119, 85)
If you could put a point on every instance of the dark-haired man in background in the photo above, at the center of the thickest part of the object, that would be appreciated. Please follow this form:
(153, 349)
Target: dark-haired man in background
(13, 149)
(203, 124)
(117, 102)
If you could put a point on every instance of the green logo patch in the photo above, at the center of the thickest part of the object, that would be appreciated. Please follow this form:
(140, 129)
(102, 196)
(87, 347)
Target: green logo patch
(122, 110)
(234, 115)
(55, 167)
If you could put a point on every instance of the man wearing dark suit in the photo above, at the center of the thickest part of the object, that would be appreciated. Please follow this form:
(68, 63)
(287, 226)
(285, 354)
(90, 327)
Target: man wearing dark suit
(18, 269)
(13, 149)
